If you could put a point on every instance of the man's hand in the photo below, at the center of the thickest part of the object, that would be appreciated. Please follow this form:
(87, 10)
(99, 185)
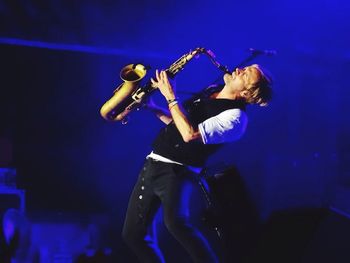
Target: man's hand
(166, 87)
(187, 131)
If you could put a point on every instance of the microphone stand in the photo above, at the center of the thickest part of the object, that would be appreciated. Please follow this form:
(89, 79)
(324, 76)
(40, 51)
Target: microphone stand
(247, 59)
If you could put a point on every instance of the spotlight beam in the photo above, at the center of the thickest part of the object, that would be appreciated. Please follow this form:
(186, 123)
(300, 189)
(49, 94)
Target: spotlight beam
(83, 48)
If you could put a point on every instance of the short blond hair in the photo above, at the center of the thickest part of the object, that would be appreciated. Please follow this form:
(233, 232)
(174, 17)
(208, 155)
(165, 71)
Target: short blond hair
(260, 92)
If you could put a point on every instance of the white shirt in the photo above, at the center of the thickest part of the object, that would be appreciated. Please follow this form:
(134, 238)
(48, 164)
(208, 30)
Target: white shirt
(227, 126)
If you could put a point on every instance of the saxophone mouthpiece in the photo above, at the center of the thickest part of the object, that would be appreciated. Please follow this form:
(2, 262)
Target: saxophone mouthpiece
(224, 69)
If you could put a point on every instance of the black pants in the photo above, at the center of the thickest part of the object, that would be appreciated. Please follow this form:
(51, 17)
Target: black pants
(168, 185)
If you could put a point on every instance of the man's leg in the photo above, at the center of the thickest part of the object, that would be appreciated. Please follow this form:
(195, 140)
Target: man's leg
(175, 197)
(143, 205)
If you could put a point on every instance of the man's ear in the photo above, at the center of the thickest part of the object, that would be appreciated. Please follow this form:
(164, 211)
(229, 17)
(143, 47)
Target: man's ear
(244, 93)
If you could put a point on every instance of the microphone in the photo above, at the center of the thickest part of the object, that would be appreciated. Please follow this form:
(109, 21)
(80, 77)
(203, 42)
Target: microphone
(257, 52)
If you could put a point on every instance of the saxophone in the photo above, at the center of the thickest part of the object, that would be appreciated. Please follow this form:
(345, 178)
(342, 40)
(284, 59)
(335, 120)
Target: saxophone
(129, 95)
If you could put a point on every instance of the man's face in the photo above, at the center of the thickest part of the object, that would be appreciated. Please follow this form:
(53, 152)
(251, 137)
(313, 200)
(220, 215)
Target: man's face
(240, 79)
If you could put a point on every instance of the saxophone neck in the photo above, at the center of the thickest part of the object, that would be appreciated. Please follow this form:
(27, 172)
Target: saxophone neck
(179, 64)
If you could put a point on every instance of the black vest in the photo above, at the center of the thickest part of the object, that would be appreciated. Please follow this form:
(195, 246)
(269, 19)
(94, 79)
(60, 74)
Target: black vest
(169, 142)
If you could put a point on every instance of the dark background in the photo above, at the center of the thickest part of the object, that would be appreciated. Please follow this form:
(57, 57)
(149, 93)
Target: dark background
(60, 61)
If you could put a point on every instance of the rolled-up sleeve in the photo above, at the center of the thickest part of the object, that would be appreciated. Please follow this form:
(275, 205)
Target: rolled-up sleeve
(227, 126)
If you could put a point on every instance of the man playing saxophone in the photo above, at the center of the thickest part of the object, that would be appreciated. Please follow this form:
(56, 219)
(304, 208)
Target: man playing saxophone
(192, 133)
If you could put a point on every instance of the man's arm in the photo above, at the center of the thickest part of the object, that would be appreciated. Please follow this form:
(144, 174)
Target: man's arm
(187, 131)
(227, 126)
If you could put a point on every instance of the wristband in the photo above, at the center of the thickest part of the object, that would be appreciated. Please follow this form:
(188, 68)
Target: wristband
(172, 100)
(172, 104)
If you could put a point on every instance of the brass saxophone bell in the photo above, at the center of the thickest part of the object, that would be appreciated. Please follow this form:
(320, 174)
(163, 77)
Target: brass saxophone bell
(118, 106)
